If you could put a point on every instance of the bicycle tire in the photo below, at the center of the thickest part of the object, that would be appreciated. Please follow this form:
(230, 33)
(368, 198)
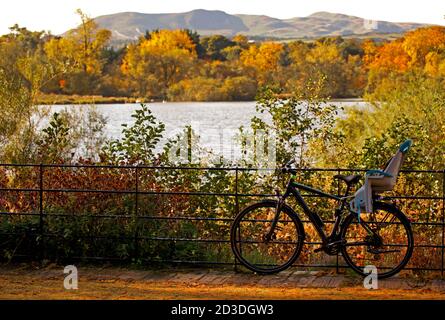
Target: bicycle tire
(391, 209)
(299, 236)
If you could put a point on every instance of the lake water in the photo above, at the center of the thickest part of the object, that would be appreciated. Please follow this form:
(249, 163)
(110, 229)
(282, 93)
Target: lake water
(215, 122)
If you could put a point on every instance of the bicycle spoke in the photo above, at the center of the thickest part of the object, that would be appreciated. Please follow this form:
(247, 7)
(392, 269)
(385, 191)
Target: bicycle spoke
(385, 248)
(258, 252)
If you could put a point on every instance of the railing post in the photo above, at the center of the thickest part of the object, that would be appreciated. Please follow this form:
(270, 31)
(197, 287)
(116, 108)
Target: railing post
(136, 212)
(443, 221)
(41, 222)
(236, 209)
(338, 194)
(236, 191)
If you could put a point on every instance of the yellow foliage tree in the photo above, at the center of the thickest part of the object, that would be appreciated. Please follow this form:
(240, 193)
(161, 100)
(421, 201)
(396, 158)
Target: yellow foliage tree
(388, 57)
(417, 49)
(264, 60)
(327, 60)
(241, 40)
(80, 48)
(435, 64)
(419, 43)
(421, 50)
(166, 57)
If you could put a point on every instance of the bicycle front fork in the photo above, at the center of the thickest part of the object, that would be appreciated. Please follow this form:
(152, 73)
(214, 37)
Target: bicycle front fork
(280, 203)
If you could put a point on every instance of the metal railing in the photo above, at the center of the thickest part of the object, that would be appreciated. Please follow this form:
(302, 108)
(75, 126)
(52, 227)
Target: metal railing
(42, 190)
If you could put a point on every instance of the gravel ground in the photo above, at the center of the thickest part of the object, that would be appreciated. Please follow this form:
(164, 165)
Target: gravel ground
(25, 282)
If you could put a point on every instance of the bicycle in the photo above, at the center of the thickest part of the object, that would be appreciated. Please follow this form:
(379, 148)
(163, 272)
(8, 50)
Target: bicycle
(268, 236)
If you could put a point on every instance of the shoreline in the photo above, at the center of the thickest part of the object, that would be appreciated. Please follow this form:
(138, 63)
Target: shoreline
(50, 100)
(54, 99)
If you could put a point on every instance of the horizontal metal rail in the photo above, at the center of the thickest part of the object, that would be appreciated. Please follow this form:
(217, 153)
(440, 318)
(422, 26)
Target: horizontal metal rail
(41, 193)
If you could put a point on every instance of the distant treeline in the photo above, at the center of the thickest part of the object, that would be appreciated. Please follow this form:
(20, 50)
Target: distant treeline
(181, 65)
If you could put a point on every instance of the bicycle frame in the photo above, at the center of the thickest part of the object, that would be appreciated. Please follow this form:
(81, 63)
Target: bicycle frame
(368, 241)
(293, 189)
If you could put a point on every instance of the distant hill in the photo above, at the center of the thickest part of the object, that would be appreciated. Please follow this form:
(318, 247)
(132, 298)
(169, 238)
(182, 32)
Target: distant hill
(127, 26)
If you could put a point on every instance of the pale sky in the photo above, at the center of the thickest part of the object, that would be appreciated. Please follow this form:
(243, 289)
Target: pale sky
(58, 15)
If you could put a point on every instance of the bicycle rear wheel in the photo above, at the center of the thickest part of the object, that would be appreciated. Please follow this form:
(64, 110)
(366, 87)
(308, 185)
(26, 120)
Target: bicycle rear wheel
(248, 232)
(389, 249)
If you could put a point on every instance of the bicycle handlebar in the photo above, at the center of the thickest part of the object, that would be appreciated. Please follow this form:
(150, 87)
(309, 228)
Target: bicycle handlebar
(289, 170)
(287, 167)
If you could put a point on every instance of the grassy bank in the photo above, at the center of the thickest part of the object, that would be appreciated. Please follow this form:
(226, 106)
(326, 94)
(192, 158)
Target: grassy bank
(50, 99)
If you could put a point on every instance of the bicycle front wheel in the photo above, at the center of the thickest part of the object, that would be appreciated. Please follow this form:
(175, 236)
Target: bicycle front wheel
(388, 248)
(248, 237)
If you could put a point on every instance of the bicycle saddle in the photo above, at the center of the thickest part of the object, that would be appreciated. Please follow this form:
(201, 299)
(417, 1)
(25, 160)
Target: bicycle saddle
(350, 180)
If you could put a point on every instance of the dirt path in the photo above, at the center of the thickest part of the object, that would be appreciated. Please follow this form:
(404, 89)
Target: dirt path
(114, 283)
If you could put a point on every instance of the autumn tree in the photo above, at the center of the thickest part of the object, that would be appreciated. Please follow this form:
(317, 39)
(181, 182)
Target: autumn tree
(264, 61)
(24, 70)
(426, 48)
(241, 40)
(232, 52)
(157, 63)
(196, 39)
(80, 47)
(421, 50)
(387, 57)
(22, 55)
(338, 62)
(79, 53)
(200, 88)
(214, 46)
(419, 43)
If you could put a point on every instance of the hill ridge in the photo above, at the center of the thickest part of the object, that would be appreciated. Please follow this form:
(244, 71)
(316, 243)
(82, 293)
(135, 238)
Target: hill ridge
(130, 25)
